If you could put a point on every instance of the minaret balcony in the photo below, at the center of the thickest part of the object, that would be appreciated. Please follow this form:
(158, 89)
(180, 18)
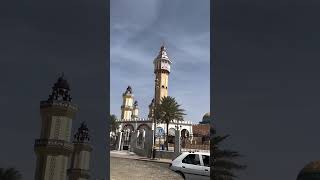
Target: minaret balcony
(165, 71)
(53, 146)
(58, 108)
(58, 104)
(82, 146)
(127, 107)
(78, 173)
(127, 95)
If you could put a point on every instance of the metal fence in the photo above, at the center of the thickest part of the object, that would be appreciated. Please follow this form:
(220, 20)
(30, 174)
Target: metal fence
(195, 143)
(188, 143)
(113, 142)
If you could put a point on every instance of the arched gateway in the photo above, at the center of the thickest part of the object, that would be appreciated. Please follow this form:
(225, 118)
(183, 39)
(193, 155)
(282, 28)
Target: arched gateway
(135, 131)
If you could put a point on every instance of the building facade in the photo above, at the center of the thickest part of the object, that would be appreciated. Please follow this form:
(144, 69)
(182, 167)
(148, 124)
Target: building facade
(130, 120)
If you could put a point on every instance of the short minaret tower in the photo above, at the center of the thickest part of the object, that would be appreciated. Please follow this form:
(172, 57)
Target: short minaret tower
(151, 109)
(162, 70)
(53, 148)
(135, 111)
(80, 161)
(127, 105)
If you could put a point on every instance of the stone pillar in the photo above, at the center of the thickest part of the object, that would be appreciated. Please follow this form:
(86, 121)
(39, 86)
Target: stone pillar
(119, 141)
(148, 142)
(177, 144)
(133, 141)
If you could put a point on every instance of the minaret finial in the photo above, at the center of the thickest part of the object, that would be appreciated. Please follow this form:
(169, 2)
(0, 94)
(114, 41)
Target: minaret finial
(129, 90)
(162, 46)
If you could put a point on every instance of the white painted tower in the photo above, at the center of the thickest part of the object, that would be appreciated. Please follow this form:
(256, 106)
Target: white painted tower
(135, 110)
(127, 105)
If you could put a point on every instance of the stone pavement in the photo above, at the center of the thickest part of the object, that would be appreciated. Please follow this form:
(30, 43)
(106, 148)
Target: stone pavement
(131, 155)
(128, 166)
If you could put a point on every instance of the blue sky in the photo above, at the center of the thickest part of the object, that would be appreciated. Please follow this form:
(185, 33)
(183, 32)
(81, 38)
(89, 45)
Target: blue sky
(138, 29)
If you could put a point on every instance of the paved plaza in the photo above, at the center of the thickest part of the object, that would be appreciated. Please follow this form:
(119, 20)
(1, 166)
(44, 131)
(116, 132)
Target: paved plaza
(132, 169)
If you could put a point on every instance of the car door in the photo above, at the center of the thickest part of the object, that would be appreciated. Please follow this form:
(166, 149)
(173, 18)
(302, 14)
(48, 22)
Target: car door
(191, 167)
(206, 166)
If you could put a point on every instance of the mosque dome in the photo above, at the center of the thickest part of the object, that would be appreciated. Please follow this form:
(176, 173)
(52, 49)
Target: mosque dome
(206, 118)
(310, 172)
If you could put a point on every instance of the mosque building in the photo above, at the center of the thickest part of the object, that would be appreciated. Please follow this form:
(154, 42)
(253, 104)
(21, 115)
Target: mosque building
(130, 120)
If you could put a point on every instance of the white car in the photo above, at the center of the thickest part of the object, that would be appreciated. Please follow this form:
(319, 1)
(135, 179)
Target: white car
(192, 165)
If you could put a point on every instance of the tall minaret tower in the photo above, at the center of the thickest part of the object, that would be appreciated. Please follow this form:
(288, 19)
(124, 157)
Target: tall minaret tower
(162, 70)
(54, 148)
(80, 161)
(127, 105)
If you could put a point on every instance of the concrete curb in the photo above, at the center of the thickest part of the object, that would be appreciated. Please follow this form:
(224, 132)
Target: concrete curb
(139, 158)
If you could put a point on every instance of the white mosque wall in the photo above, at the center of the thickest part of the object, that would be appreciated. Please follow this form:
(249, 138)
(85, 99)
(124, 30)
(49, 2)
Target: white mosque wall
(135, 124)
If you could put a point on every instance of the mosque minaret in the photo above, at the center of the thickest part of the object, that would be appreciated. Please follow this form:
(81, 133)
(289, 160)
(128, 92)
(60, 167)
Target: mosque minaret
(80, 159)
(162, 65)
(54, 148)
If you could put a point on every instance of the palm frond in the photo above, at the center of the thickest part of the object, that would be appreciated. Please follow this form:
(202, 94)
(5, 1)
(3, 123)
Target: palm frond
(222, 173)
(113, 123)
(10, 174)
(227, 164)
(227, 154)
(222, 162)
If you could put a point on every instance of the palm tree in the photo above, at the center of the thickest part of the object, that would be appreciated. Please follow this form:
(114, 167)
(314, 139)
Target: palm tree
(167, 111)
(113, 123)
(10, 174)
(222, 161)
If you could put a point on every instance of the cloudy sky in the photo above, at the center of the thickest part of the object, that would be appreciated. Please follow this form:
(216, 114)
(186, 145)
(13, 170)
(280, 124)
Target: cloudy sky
(138, 29)
(39, 40)
(266, 85)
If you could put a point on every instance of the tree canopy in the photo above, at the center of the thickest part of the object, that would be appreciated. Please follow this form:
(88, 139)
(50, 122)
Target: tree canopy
(222, 161)
(10, 174)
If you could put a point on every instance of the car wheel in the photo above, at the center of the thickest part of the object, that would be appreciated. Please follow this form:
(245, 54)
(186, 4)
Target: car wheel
(181, 174)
